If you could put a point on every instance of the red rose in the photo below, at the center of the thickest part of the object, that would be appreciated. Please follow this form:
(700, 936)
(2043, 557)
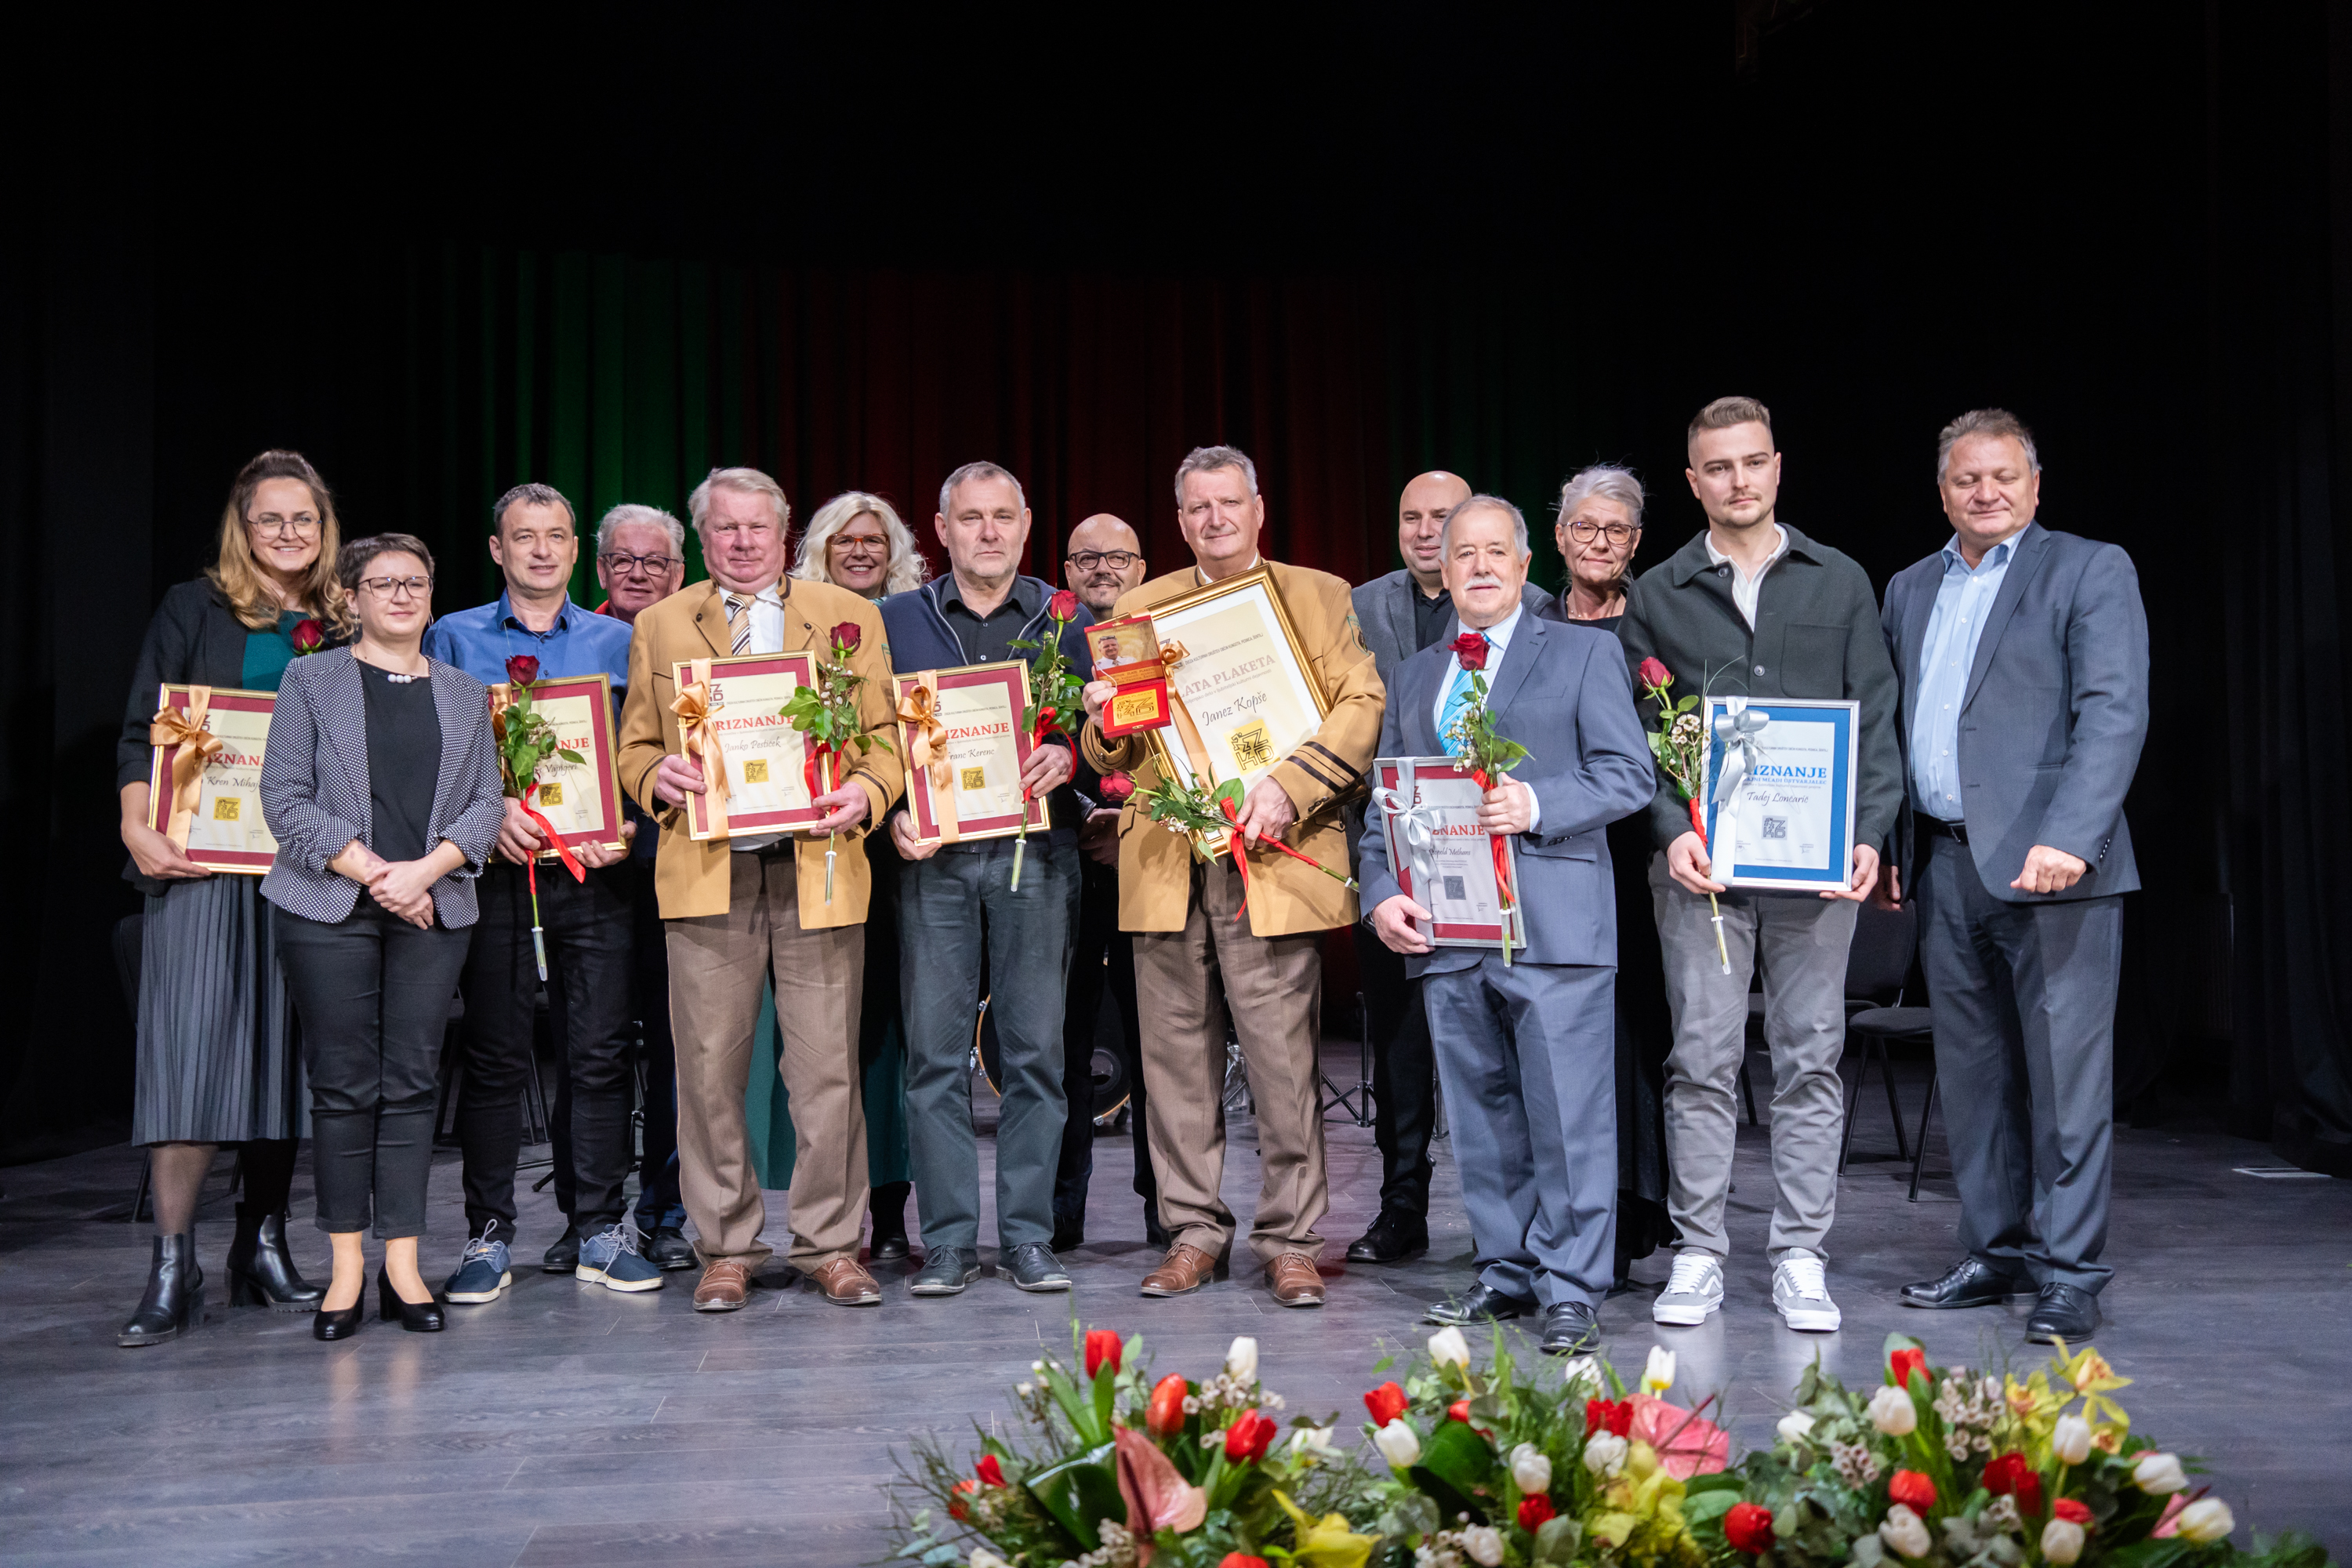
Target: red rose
(1749, 1527)
(1912, 1489)
(522, 669)
(309, 636)
(1246, 1439)
(1470, 647)
(1165, 1414)
(1117, 788)
(1534, 1510)
(1102, 1346)
(1903, 1363)
(1063, 606)
(1614, 1416)
(847, 637)
(989, 1470)
(1386, 1403)
(1655, 677)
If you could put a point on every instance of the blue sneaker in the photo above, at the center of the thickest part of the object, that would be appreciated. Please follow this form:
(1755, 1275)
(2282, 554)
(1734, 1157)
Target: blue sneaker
(482, 1273)
(610, 1258)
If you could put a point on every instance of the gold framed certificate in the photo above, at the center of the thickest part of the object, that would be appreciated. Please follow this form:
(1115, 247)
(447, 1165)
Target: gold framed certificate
(758, 771)
(965, 750)
(204, 786)
(1244, 694)
(581, 800)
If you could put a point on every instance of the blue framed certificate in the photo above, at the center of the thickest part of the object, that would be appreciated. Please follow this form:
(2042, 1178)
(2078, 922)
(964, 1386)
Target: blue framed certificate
(1780, 774)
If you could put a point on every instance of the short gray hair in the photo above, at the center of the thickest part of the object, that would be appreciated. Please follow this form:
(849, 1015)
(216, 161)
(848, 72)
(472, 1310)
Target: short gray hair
(1995, 422)
(747, 481)
(908, 568)
(1208, 461)
(1491, 503)
(629, 511)
(1607, 482)
(531, 494)
(964, 475)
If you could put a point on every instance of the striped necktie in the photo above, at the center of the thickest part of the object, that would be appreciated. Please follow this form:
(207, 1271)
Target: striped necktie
(738, 623)
(1457, 698)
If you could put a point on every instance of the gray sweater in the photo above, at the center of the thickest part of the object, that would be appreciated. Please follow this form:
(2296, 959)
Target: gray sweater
(1817, 635)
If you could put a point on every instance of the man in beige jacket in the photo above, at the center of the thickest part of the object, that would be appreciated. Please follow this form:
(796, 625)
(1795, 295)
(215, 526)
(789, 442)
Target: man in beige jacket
(1195, 962)
(738, 912)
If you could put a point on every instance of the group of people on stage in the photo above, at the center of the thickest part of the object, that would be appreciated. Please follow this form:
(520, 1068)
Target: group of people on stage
(1589, 1082)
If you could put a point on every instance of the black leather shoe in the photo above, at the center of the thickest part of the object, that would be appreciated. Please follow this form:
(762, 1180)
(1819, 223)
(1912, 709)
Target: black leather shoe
(946, 1270)
(1482, 1303)
(563, 1258)
(2064, 1313)
(174, 1298)
(1392, 1238)
(261, 1272)
(1032, 1266)
(417, 1316)
(887, 1204)
(668, 1250)
(342, 1325)
(1571, 1328)
(1972, 1282)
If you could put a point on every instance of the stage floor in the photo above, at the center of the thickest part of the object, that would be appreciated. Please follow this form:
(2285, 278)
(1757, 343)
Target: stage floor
(566, 1423)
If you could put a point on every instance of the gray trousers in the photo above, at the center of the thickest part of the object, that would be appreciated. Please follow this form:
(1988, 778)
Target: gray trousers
(1527, 1058)
(1802, 940)
(951, 908)
(2023, 1001)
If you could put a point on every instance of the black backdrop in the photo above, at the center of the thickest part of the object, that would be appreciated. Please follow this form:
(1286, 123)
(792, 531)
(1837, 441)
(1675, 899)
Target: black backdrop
(1357, 243)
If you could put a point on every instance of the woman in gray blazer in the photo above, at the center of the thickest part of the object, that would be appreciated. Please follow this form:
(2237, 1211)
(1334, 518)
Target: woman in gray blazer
(381, 785)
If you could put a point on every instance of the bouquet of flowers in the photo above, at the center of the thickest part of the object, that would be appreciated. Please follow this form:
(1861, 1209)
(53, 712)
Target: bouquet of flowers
(1116, 1470)
(1949, 1467)
(524, 737)
(1190, 809)
(1488, 755)
(1494, 1469)
(1679, 743)
(828, 712)
(1053, 698)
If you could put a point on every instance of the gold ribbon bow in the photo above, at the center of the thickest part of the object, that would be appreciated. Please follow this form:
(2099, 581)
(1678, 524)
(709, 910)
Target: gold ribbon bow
(197, 747)
(927, 748)
(1172, 654)
(698, 726)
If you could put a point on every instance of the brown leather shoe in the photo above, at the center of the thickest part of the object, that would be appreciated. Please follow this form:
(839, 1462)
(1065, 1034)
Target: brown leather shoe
(1185, 1268)
(846, 1283)
(1294, 1282)
(723, 1288)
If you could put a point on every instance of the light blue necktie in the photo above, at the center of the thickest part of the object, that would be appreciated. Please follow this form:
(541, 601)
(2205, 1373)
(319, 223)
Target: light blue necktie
(1457, 698)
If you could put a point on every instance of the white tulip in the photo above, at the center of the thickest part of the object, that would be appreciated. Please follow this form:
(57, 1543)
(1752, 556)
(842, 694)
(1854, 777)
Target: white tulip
(2062, 1542)
(1604, 1452)
(1903, 1531)
(1448, 1348)
(2070, 1442)
(1892, 1411)
(2159, 1474)
(1312, 1441)
(2206, 1520)
(1398, 1444)
(981, 1557)
(1794, 1426)
(1530, 1470)
(1241, 1362)
(1582, 1369)
(1483, 1542)
(1659, 1375)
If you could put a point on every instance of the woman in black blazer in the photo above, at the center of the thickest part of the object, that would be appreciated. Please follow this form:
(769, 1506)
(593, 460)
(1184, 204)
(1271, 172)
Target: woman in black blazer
(380, 783)
(217, 1061)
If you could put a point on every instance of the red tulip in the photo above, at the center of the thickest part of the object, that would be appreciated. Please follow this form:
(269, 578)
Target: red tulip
(1241, 1560)
(2073, 1510)
(1386, 1403)
(1117, 788)
(1247, 1438)
(1615, 1415)
(1458, 1411)
(1913, 1491)
(1063, 606)
(989, 1470)
(1470, 647)
(1534, 1510)
(847, 637)
(1749, 1527)
(1903, 1363)
(2008, 1475)
(522, 669)
(309, 636)
(1102, 1346)
(1655, 677)
(1165, 1414)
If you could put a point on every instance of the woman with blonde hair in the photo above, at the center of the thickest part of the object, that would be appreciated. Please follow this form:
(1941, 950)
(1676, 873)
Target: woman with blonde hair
(856, 541)
(217, 1056)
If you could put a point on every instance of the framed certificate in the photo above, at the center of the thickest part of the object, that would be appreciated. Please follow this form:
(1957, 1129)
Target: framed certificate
(1439, 855)
(582, 800)
(1244, 694)
(1780, 776)
(763, 763)
(220, 795)
(966, 728)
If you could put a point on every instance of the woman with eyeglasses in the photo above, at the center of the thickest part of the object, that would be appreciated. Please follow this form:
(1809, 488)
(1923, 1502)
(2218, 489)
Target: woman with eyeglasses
(855, 541)
(217, 1059)
(380, 783)
(1599, 529)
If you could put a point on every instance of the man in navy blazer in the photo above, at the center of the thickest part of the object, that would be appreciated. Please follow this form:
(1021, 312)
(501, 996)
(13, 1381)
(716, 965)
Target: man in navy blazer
(1526, 1051)
(2024, 660)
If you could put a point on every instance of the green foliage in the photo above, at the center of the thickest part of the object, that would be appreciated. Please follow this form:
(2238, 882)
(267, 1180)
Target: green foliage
(525, 739)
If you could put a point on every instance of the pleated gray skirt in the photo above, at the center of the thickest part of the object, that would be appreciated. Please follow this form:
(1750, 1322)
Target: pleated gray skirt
(219, 1054)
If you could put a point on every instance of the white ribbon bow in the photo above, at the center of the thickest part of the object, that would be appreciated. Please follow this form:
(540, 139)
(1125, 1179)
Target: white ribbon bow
(1417, 825)
(1737, 730)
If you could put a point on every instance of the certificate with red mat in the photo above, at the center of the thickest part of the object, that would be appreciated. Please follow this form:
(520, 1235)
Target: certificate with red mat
(755, 765)
(1439, 855)
(1127, 654)
(211, 805)
(581, 800)
(962, 736)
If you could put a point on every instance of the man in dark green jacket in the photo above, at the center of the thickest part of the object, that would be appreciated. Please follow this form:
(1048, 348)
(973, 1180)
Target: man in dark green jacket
(1753, 607)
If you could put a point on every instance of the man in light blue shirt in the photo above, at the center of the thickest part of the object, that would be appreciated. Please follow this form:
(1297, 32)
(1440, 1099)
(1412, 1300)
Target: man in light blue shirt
(1963, 601)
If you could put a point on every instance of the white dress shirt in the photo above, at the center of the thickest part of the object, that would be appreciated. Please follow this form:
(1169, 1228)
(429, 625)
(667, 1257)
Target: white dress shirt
(1743, 587)
(767, 636)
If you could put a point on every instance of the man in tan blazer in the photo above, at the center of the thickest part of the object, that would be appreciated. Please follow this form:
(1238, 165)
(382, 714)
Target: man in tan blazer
(740, 911)
(1194, 964)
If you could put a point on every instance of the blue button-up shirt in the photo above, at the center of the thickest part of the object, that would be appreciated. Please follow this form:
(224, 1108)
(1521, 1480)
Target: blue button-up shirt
(1962, 602)
(479, 641)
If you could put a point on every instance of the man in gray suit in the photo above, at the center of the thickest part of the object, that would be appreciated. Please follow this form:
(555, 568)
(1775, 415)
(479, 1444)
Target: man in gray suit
(1526, 1050)
(2024, 660)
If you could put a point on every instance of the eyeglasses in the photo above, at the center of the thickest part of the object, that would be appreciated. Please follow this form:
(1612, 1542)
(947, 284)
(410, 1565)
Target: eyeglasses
(1586, 532)
(866, 543)
(398, 587)
(651, 565)
(301, 526)
(1117, 560)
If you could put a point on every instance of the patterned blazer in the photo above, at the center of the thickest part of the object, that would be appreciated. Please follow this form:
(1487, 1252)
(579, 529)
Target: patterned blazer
(314, 786)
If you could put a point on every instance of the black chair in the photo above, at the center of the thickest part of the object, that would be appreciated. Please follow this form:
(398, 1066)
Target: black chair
(1919, 1146)
(1884, 942)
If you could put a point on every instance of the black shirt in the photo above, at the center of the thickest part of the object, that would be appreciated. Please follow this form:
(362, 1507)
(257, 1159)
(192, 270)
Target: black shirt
(988, 640)
(1430, 616)
(403, 731)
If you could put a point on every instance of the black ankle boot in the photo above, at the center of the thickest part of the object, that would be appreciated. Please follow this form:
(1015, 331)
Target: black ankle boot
(261, 1272)
(174, 1301)
(889, 1205)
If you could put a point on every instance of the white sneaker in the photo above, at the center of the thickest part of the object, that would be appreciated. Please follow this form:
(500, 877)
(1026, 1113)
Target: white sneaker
(1800, 1290)
(1692, 1293)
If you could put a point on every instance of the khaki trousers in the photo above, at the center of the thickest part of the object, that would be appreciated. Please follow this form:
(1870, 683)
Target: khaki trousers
(717, 964)
(1184, 983)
